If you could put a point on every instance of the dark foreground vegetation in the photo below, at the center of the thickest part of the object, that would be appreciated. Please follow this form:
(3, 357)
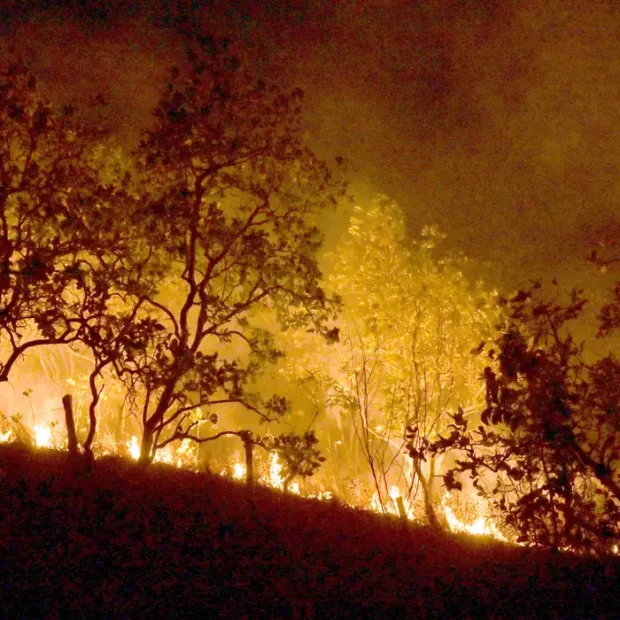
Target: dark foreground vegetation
(126, 541)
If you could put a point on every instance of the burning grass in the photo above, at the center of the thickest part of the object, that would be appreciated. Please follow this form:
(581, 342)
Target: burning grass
(127, 542)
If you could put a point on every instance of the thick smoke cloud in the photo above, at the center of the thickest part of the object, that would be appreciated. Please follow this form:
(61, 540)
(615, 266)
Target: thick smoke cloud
(496, 121)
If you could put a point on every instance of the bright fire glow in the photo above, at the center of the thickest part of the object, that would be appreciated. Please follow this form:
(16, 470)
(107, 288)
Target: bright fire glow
(185, 456)
(275, 471)
(238, 471)
(134, 448)
(6, 437)
(275, 475)
(186, 453)
(164, 456)
(42, 436)
(391, 506)
(480, 527)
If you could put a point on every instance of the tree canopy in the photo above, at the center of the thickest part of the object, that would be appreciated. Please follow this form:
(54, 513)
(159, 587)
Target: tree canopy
(49, 213)
(155, 268)
(546, 452)
(229, 198)
(409, 321)
(184, 271)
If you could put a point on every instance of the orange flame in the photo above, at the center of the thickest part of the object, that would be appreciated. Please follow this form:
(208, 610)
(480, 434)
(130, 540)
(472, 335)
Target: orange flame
(42, 436)
(7, 437)
(238, 471)
(134, 448)
(480, 527)
(186, 453)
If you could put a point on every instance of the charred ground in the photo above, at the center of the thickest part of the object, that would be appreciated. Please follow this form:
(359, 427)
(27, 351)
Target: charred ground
(126, 541)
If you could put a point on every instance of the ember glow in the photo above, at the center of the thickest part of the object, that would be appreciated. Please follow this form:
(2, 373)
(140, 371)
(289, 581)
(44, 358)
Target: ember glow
(184, 455)
(397, 505)
(276, 479)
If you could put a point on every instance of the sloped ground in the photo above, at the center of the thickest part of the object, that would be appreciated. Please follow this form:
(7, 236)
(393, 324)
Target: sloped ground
(128, 542)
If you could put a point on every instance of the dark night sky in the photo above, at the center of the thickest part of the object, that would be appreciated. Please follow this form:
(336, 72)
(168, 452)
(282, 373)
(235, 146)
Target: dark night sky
(498, 121)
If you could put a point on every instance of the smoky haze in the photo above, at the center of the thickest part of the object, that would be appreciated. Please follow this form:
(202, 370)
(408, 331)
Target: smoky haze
(498, 123)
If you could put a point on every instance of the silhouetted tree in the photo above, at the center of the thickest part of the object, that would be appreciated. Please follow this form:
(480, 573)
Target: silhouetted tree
(547, 452)
(609, 316)
(607, 257)
(71, 267)
(230, 200)
(299, 454)
(46, 190)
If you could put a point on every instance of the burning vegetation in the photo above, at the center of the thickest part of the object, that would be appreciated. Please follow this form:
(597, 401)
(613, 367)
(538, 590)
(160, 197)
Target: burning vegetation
(125, 540)
(171, 299)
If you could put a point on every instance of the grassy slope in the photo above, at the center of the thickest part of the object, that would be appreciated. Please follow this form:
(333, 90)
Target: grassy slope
(129, 542)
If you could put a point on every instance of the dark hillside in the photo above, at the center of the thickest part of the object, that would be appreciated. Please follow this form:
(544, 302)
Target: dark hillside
(127, 542)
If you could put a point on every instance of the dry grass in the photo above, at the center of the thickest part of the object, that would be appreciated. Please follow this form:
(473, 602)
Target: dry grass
(128, 542)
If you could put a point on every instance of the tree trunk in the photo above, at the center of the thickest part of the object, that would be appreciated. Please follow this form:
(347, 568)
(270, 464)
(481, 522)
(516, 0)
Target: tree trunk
(427, 492)
(72, 444)
(92, 416)
(402, 512)
(249, 462)
(150, 423)
(146, 446)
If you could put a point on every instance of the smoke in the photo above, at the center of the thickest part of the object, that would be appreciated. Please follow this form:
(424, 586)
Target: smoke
(496, 121)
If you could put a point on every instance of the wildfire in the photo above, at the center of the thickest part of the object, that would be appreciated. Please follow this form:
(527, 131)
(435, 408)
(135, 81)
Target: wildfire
(8, 436)
(186, 453)
(185, 456)
(275, 472)
(238, 471)
(275, 478)
(393, 505)
(134, 448)
(42, 436)
(480, 527)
